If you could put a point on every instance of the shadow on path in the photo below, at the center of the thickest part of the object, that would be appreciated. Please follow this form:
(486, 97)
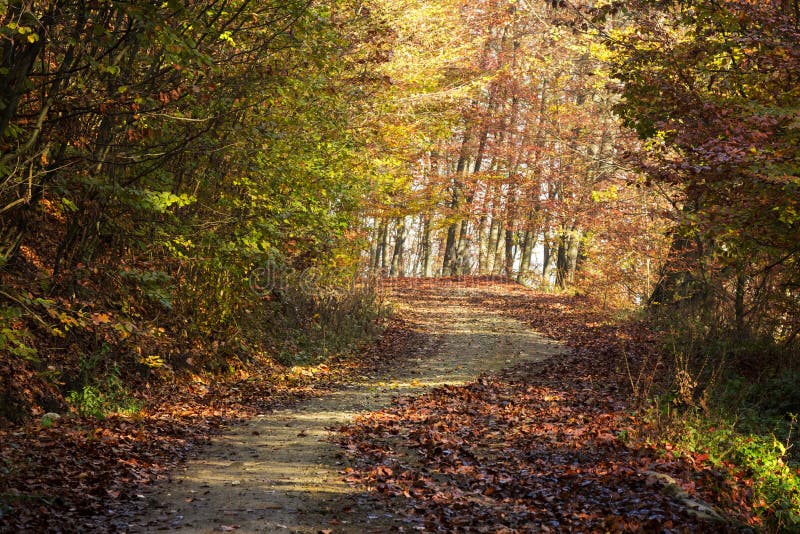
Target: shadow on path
(279, 473)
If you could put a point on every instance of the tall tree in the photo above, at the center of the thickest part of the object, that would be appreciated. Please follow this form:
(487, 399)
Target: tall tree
(709, 85)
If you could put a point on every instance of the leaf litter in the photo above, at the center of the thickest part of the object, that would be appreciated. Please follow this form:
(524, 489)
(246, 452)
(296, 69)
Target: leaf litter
(543, 447)
(538, 447)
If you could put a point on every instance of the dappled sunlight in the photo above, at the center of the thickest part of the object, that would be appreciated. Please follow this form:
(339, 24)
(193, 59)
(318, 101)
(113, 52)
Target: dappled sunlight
(285, 459)
(313, 209)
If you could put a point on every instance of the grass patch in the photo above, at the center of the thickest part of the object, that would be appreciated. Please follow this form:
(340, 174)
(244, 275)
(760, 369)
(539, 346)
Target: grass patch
(95, 402)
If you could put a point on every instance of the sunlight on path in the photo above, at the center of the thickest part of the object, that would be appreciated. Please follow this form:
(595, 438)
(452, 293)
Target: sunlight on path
(278, 472)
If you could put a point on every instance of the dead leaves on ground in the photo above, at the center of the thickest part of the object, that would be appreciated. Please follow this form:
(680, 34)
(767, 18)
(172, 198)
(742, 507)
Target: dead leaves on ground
(504, 452)
(541, 448)
(85, 474)
(534, 449)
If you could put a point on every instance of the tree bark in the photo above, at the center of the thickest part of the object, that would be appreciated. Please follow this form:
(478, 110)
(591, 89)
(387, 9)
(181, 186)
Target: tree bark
(397, 268)
(510, 252)
(561, 261)
(528, 241)
(380, 248)
(483, 250)
(427, 244)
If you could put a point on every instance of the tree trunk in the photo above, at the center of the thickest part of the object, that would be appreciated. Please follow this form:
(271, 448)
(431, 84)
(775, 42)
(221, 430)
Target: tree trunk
(574, 239)
(510, 252)
(561, 261)
(374, 248)
(549, 258)
(450, 249)
(380, 255)
(462, 249)
(739, 304)
(454, 230)
(497, 250)
(397, 268)
(677, 281)
(483, 251)
(528, 240)
(427, 244)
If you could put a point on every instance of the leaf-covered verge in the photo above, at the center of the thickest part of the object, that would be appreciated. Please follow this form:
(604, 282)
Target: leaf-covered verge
(82, 473)
(563, 445)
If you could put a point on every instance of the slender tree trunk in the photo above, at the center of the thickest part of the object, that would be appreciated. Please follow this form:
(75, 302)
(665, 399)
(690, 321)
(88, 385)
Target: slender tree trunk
(739, 304)
(380, 249)
(396, 268)
(497, 249)
(483, 251)
(509, 245)
(453, 231)
(491, 245)
(573, 252)
(511, 211)
(561, 261)
(419, 257)
(427, 240)
(450, 249)
(374, 250)
(464, 240)
(461, 261)
(528, 241)
(549, 257)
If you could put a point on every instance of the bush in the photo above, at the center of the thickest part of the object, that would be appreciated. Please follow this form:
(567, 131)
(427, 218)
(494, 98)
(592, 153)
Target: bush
(761, 459)
(101, 394)
(732, 397)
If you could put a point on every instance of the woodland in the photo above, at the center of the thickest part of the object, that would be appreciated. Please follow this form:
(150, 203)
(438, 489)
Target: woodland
(207, 207)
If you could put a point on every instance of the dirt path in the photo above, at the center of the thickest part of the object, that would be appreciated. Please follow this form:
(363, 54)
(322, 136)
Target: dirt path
(279, 472)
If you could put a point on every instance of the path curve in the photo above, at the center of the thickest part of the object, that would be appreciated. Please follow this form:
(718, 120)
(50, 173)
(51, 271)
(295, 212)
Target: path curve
(279, 472)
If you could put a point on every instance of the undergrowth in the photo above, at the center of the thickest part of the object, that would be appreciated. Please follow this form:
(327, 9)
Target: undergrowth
(104, 396)
(754, 459)
(102, 360)
(732, 403)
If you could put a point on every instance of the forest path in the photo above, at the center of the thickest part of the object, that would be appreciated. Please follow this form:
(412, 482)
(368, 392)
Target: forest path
(280, 473)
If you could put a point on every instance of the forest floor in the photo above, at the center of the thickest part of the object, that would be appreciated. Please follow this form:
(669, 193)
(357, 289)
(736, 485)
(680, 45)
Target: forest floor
(484, 424)
(282, 472)
(484, 407)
